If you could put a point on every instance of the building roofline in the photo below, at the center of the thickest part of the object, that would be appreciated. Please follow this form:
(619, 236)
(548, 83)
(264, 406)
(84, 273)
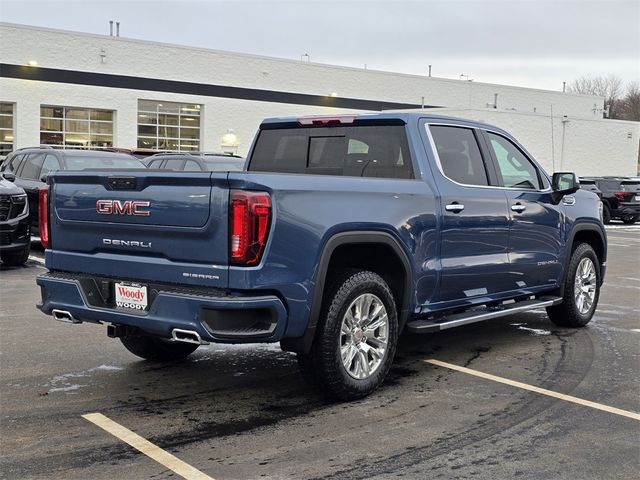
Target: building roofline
(280, 59)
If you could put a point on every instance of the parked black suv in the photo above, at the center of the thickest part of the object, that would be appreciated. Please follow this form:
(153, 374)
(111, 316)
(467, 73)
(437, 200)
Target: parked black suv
(15, 237)
(620, 197)
(32, 165)
(196, 162)
(590, 186)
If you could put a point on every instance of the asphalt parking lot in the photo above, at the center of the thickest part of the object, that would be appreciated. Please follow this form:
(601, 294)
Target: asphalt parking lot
(243, 412)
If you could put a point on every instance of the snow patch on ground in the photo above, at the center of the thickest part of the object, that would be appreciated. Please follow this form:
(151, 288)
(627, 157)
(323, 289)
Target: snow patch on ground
(67, 382)
(537, 332)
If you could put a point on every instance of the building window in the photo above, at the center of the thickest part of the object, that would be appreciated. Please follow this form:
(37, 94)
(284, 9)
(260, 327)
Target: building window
(168, 125)
(70, 127)
(6, 128)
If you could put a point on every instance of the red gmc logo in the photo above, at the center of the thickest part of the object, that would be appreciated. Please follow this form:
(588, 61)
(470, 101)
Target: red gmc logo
(126, 207)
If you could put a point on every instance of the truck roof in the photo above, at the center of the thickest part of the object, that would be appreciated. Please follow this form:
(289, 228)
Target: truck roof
(404, 116)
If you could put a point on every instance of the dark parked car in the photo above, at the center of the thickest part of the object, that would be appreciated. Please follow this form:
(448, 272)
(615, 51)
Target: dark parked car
(32, 165)
(590, 186)
(197, 162)
(15, 237)
(620, 196)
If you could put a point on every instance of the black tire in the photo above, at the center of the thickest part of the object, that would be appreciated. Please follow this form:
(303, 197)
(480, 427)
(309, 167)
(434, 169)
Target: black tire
(630, 219)
(323, 366)
(568, 314)
(15, 258)
(157, 349)
(606, 214)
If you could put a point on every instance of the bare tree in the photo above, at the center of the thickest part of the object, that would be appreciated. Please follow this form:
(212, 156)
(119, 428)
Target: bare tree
(630, 103)
(609, 87)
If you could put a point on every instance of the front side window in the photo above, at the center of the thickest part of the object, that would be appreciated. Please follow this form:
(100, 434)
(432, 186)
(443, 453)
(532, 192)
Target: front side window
(191, 166)
(354, 151)
(32, 166)
(79, 128)
(14, 163)
(169, 125)
(517, 170)
(6, 128)
(459, 155)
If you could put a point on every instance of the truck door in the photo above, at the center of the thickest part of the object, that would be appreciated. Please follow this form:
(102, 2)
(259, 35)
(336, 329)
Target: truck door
(474, 233)
(535, 243)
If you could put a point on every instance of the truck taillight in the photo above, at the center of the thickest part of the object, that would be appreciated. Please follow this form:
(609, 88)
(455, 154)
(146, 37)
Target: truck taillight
(43, 216)
(249, 217)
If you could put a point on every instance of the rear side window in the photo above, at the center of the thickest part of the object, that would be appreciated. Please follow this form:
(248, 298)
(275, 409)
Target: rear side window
(459, 155)
(155, 163)
(50, 164)
(32, 166)
(516, 169)
(175, 164)
(355, 151)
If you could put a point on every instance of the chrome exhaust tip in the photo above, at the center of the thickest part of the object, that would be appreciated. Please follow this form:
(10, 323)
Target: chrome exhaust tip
(187, 336)
(64, 316)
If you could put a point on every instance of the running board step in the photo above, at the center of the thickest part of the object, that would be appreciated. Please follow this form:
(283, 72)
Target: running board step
(465, 318)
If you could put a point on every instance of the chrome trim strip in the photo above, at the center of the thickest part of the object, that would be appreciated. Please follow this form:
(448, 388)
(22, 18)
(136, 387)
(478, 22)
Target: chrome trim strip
(439, 163)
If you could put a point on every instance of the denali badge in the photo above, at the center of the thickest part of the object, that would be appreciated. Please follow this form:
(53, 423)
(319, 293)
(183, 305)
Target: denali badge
(126, 207)
(126, 243)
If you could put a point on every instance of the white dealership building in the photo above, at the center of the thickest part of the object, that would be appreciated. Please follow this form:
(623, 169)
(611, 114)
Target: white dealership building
(80, 90)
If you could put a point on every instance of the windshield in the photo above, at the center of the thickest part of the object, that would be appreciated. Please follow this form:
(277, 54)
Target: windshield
(77, 162)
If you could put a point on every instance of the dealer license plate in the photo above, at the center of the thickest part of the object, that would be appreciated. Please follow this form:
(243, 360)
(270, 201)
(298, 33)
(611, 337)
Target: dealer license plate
(130, 295)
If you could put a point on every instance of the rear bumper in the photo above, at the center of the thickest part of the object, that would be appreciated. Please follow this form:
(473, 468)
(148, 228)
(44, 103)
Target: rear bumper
(214, 314)
(625, 209)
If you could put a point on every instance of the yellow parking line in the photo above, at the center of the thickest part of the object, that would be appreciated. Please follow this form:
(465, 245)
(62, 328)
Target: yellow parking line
(542, 391)
(145, 446)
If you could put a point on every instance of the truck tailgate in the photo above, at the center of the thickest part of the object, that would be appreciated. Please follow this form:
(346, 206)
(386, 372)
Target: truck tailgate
(141, 225)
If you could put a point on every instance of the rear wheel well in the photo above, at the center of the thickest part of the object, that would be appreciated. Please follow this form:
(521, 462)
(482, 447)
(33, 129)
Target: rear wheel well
(375, 257)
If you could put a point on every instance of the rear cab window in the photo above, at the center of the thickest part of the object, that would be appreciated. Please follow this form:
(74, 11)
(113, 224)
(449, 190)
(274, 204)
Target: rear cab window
(459, 155)
(379, 151)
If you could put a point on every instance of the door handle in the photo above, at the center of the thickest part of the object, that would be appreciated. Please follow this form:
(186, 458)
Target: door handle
(518, 208)
(454, 207)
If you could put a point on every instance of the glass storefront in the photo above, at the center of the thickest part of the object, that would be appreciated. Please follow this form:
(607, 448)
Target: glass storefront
(6, 128)
(71, 127)
(169, 125)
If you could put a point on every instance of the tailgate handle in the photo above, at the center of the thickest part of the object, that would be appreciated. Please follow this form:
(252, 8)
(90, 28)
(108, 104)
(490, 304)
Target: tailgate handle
(122, 183)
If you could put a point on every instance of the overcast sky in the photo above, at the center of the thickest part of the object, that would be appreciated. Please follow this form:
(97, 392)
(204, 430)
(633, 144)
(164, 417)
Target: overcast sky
(530, 43)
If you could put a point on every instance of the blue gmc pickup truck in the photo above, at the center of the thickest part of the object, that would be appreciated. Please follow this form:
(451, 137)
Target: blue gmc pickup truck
(343, 232)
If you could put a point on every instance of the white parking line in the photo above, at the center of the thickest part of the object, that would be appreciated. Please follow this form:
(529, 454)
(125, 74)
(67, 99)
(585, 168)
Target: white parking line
(542, 391)
(36, 259)
(145, 446)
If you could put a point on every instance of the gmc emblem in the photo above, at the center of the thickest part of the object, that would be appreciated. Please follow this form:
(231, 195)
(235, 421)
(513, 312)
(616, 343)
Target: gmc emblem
(126, 207)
